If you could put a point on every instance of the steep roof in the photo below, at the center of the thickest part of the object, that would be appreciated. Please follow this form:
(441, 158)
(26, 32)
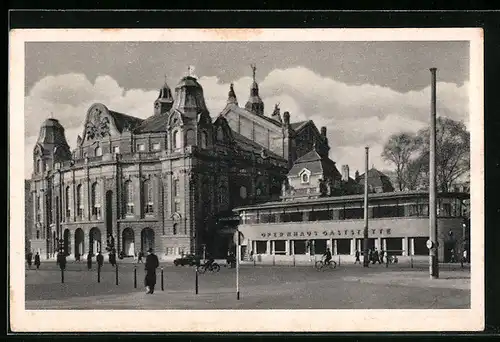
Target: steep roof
(377, 179)
(297, 126)
(123, 121)
(250, 145)
(316, 164)
(155, 123)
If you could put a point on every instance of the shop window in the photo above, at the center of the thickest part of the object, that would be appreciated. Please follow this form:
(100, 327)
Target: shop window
(344, 246)
(419, 246)
(300, 247)
(319, 246)
(261, 247)
(394, 246)
(280, 247)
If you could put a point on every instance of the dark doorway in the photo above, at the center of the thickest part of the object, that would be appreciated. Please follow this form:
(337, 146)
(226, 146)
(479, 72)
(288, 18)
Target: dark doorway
(94, 241)
(79, 242)
(67, 246)
(147, 239)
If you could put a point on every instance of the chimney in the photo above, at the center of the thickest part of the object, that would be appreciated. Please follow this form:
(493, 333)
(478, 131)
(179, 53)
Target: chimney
(323, 131)
(345, 173)
(286, 118)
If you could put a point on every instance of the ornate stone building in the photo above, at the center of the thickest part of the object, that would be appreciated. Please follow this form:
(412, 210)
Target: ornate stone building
(168, 182)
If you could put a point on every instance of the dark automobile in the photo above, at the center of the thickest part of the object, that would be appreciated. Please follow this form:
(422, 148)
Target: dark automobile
(189, 259)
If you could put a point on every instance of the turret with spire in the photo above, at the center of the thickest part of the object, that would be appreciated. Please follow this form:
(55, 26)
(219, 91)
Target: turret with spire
(231, 96)
(255, 104)
(165, 100)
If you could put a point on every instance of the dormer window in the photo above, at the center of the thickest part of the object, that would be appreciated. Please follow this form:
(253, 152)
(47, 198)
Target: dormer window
(141, 147)
(98, 151)
(305, 176)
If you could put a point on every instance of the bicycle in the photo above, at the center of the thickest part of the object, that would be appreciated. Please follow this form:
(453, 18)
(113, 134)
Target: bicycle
(320, 265)
(213, 267)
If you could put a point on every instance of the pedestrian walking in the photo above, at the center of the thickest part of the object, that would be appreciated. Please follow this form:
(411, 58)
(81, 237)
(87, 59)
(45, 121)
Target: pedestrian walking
(463, 260)
(61, 260)
(375, 256)
(139, 257)
(152, 264)
(452, 260)
(37, 261)
(89, 261)
(381, 257)
(112, 258)
(357, 254)
(99, 259)
(77, 257)
(29, 259)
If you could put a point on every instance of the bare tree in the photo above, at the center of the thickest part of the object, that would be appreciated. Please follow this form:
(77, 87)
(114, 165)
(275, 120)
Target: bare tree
(452, 151)
(399, 150)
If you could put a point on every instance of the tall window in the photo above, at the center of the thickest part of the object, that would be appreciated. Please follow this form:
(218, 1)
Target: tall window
(38, 209)
(204, 139)
(38, 165)
(177, 206)
(147, 197)
(129, 198)
(177, 188)
(79, 201)
(68, 202)
(98, 151)
(38, 234)
(174, 229)
(176, 140)
(96, 201)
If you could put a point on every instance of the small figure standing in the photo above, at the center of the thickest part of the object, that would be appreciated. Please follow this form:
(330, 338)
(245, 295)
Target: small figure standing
(99, 259)
(357, 254)
(452, 260)
(37, 261)
(152, 264)
(381, 257)
(112, 258)
(29, 258)
(89, 261)
(375, 256)
(463, 260)
(77, 257)
(61, 260)
(139, 257)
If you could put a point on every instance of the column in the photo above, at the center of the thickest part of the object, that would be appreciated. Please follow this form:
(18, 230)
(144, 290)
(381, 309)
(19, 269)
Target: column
(254, 247)
(334, 247)
(72, 243)
(273, 247)
(405, 246)
(358, 245)
(329, 244)
(287, 247)
(384, 244)
(378, 243)
(412, 246)
(268, 247)
(353, 246)
(292, 247)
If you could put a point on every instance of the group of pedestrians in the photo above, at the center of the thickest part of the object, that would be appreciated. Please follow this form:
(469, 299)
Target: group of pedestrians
(374, 256)
(29, 260)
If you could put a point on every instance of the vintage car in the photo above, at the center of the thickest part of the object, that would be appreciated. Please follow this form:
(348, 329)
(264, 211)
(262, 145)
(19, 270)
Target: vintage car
(190, 260)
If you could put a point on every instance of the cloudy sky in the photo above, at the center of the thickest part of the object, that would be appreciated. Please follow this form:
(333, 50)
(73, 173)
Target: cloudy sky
(362, 91)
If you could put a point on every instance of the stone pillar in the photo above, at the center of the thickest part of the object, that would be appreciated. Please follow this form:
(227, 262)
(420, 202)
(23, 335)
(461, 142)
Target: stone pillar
(405, 246)
(353, 246)
(268, 247)
(378, 243)
(292, 247)
(335, 247)
(384, 244)
(412, 246)
(358, 245)
(287, 247)
(72, 243)
(273, 247)
(329, 244)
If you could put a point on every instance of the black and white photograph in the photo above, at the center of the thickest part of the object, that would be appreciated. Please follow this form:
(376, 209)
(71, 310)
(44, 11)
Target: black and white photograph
(239, 180)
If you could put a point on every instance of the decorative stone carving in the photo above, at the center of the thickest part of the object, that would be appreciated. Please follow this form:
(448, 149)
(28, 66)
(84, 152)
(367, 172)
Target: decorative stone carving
(97, 126)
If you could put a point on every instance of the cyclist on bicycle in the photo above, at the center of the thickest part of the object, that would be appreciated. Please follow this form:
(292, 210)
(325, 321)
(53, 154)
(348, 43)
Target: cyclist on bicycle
(328, 256)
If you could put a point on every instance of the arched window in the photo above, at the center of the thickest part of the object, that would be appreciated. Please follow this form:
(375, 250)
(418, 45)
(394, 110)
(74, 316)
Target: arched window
(96, 201)
(147, 200)
(204, 139)
(177, 188)
(176, 140)
(190, 137)
(174, 229)
(220, 134)
(98, 151)
(79, 201)
(129, 198)
(68, 202)
(305, 178)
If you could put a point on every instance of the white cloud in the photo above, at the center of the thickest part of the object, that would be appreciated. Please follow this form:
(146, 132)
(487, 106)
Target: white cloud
(356, 116)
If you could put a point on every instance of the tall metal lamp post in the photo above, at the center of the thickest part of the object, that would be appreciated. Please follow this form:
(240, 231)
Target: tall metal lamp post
(432, 243)
(366, 262)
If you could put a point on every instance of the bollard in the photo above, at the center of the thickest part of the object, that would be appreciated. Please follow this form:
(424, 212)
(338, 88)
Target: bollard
(98, 274)
(135, 277)
(196, 280)
(116, 273)
(162, 288)
(62, 275)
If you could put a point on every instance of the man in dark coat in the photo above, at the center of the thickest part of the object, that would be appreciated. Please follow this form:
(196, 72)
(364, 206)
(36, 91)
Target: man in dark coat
(89, 261)
(29, 258)
(357, 254)
(37, 260)
(151, 265)
(61, 260)
(99, 259)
